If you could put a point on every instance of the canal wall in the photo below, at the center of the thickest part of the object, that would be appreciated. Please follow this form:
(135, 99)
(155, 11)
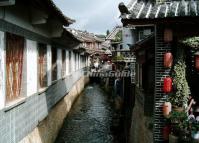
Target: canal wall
(44, 113)
(141, 126)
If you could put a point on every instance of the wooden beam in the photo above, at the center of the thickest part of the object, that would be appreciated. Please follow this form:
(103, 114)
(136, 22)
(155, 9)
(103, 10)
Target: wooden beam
(170, 20)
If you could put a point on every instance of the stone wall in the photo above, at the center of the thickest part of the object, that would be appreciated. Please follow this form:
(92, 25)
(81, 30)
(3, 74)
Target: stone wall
(141, 130)
(48, 129)
(20, 119)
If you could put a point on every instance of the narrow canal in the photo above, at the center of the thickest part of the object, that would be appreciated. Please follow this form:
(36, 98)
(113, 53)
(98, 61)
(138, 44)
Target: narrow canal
(92, 119)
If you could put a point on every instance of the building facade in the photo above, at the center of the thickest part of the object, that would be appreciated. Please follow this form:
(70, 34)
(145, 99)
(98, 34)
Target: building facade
(39, 67)
(170, 24)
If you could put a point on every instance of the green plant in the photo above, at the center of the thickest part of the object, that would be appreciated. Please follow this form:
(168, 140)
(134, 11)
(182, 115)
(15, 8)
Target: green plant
(181, 91)
(118, 37)
(192, 42)
(117, 58)
(194, 127)
(179, 123)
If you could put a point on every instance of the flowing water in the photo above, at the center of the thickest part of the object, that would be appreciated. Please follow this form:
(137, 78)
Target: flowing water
(92, 119)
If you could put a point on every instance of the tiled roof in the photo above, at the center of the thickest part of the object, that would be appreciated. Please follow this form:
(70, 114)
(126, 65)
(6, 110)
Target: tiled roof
(113, 33)
(59, 13)
(51, 9)
(142, 10)
(84, 36)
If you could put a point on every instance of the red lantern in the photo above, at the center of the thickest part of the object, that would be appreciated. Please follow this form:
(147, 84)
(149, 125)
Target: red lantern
(167, 85)
(168, 35)
(166, 109)
(197, 62)
(166, 131)
(168, 60)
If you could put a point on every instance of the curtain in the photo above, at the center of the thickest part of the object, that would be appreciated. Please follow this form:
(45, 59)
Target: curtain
(42, 51)
(14, 65)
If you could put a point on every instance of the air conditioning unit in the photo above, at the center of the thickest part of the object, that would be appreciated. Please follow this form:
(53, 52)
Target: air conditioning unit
(7, 2)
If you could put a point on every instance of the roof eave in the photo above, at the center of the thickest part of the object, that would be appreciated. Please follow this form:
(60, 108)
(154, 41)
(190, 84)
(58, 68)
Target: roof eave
(170, 20)
(65, 20)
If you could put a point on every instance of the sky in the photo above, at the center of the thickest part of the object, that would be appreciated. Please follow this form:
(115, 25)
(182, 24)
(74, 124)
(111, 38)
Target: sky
(96, 16)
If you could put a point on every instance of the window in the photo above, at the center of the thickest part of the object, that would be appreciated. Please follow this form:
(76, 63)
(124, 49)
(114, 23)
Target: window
(54, 64)
(144, 33)
(42, 66)
(63, 63)
(14, 66)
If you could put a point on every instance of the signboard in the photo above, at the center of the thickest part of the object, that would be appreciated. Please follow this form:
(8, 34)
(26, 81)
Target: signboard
(7, 2)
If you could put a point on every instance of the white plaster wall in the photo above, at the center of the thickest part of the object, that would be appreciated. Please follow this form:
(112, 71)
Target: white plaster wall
(2, 70)
(128, 37)
(49, 65)
(59, 63)
(79, 62)
(31, 67)
(89, 61)
(67, 63)
(72, 61)
(76, 62)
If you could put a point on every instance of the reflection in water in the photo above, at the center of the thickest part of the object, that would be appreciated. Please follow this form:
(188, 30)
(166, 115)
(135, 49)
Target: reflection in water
(92, 119)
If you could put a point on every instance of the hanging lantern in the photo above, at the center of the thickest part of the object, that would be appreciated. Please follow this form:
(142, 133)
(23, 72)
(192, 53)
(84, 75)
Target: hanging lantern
(167, 85)
(168, 60)
(197, 61)
(168, 35)
(166, 109)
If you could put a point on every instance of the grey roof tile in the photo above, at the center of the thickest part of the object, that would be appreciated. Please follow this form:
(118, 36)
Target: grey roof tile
(141, 10)
(154, 11)
(145, 10)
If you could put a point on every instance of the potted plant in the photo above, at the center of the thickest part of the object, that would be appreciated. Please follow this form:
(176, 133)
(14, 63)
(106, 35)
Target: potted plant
(185, 132)
(195, 131)
(179, 127)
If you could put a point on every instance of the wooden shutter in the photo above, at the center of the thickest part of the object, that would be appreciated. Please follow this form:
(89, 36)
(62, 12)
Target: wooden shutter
(42, 60)
(14, 65)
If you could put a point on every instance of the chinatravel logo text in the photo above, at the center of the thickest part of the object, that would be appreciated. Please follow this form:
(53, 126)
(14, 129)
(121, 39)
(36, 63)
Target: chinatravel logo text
(109, 74)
